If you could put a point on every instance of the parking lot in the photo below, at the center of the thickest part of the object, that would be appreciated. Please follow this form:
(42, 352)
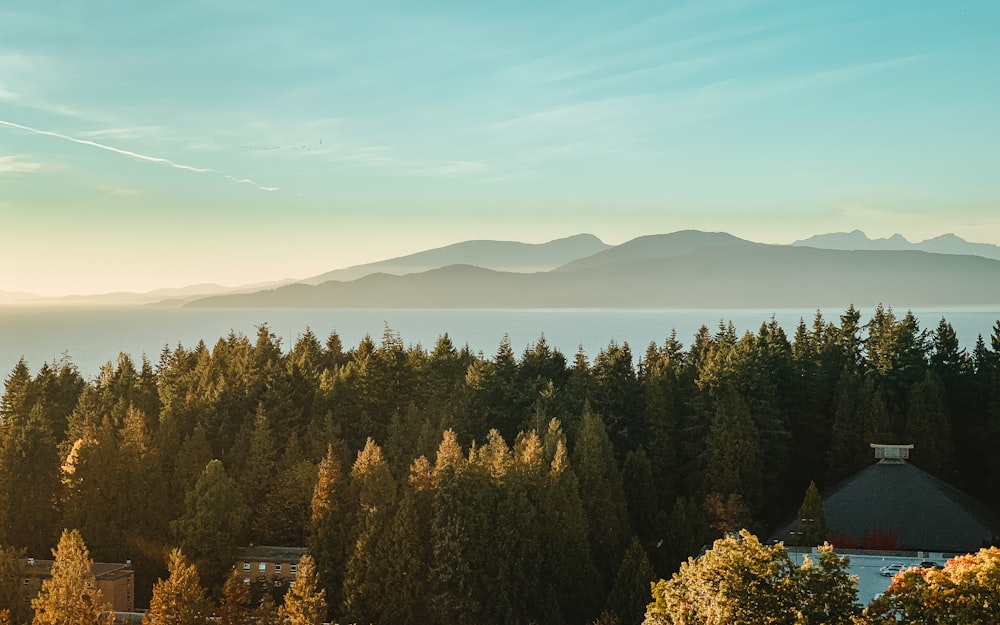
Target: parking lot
(866, 567)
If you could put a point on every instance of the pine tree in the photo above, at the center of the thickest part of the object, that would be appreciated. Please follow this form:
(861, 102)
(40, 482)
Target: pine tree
(330, 526)
(603, 496)
(179, 599)
(236, 605)
(70, 596)
(640, 493)
(213, 523)
(305, 602)
(732, 451)
(376, 491)
(630, 593)
(29, 481)
(12, 595)
(812, 520)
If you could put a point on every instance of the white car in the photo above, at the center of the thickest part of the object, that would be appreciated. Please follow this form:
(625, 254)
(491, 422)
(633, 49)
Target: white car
(890, 570)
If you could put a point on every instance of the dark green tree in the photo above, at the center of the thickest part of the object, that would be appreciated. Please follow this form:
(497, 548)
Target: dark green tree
(640, 494)
(603, 496)
(630, 593)
(812, 528)
(213, 524)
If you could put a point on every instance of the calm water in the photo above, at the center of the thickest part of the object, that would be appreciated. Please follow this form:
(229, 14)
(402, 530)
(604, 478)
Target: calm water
(93, 336)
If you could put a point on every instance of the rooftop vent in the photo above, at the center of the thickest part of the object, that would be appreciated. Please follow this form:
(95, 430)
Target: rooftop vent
(891, 454)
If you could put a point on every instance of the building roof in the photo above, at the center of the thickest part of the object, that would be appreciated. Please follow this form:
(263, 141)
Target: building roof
(34, 567)
(906, 505)
(271, 554)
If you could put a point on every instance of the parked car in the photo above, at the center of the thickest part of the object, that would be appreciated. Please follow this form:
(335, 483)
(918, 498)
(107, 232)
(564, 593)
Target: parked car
(891, 569)
(928, 564)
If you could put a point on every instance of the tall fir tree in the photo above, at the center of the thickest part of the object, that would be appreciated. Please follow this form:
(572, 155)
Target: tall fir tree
(70, 596)
(603, 496)
(180, 599)
(213, 523)
(305, 602)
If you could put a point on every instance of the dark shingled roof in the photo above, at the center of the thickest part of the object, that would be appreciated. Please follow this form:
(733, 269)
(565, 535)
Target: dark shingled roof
(271, 554)
(920, 511)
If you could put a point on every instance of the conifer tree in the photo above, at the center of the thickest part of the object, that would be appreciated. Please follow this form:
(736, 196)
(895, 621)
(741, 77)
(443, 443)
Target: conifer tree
(812, 520)
(640, 493)
(236, 605)
(70, 596)
(305, 602)
(12, 595)
(732, 450)
(928, 426)
(330, 526)
(376, 492)
(630, 593)
(29, 480)
(603, 496)
(213, 523)
(180, 599)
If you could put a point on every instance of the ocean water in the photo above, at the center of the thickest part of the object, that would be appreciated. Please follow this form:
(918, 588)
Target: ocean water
(92, 336)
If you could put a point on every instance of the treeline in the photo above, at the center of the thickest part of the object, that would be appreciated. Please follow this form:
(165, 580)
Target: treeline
(480, 488)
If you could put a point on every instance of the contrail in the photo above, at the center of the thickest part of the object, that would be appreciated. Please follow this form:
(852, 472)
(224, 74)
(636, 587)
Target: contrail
(136, 155)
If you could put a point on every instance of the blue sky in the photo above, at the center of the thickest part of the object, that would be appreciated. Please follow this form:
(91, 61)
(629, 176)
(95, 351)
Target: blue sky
(146, 146)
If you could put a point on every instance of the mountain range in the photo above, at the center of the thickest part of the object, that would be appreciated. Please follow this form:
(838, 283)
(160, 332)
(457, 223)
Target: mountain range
(685, 269)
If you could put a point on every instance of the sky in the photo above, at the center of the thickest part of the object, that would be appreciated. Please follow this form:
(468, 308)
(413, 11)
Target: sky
(148, 145)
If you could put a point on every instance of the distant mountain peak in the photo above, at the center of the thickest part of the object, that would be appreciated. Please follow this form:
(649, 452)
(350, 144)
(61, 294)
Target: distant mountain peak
(949, 243)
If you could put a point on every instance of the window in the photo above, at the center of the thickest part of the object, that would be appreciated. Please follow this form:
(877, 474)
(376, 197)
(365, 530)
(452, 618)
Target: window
(262, 567)
(291, 584)
(277, 568)
(277, 582)
(246, 566)
(246, 580)
(294, 568)
(26, 581)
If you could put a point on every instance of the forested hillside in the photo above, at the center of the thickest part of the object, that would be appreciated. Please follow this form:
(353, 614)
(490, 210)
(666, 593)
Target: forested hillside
(441, 486)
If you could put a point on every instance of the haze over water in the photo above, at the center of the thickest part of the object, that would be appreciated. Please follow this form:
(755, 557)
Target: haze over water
(92, 336)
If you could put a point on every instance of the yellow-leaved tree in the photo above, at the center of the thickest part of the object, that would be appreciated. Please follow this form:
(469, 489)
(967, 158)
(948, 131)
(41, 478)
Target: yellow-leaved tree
(71, 596)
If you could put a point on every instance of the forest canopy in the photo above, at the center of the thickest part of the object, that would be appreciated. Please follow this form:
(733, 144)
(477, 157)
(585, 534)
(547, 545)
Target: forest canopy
(504, 488)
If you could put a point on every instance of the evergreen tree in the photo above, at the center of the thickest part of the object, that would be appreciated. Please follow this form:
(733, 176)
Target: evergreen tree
(640, 493)
(179, 599)
(12, 595)
(285, 513)
(928, 426)
(566, 557)
(618, 398)
(330, 526)
(603, 496)
(732, 451)
(29, 480)
(305, 602)
(213, 523)
(70, 595)
(630, 593)
(407, 562)
(236, 605)
(812, 520)
(376, 492)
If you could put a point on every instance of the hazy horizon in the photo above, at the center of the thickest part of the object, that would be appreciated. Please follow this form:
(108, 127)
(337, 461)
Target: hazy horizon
(159, 147)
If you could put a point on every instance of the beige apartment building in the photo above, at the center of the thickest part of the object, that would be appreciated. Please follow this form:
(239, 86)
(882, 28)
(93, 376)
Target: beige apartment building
(115, 580)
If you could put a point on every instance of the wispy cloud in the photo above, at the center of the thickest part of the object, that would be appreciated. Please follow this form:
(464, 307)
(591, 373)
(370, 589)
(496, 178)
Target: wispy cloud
(135, 155)
(131, 132)
(14, 165)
